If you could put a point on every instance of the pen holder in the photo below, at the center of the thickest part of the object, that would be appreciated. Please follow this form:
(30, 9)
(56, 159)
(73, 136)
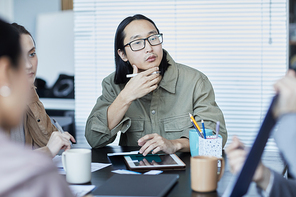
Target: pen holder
(211, 146)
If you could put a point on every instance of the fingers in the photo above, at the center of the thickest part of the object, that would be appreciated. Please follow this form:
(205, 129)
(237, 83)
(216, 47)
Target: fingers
(135, 69)
(285, 87)
(148, 144)
(236, 158)
(142, 140)
(276, 86)
(63, 139)
(146, 162)
(286, 82)
(142, 84)
(150, 71)
(146, 76)
(236, 154)
(151, 86)
(236, 163)
(65, 142)
(235, 144)
(58, 141)
(238, 143)
(156, 150)
(155, 78)
(67, 147)
(65, 135)
(69, 136)
(141, 163)
(291, 73)
(155, 143)
(148, 147)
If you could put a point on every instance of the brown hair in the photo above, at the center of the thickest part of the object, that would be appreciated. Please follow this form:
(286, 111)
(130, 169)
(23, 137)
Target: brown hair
(22, 30)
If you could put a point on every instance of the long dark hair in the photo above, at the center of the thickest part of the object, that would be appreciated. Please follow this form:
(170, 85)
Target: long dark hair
(10, 43)
(22, 30)
(123, 68)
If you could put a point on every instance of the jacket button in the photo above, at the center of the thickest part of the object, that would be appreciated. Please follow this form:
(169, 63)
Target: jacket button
(153, 112)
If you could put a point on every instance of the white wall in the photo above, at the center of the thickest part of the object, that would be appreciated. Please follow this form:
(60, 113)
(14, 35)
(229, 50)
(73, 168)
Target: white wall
(6, 10)
(54, 37)
(55, 45)
(26, 11)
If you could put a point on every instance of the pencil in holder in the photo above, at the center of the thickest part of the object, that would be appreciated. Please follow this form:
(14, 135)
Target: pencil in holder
(211, 146)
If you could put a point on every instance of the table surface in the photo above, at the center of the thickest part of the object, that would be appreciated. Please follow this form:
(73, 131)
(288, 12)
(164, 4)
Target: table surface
(183, 186)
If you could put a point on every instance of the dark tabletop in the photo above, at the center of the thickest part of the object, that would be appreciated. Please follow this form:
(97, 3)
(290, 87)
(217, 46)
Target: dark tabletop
(183, 186)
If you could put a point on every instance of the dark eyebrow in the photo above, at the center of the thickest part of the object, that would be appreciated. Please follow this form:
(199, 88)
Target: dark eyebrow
(32, 49)
(152, 32)
(134, 37)
(149, 33)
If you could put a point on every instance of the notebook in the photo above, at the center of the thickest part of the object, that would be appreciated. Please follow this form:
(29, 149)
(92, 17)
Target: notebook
(137, 185)
(240, 184)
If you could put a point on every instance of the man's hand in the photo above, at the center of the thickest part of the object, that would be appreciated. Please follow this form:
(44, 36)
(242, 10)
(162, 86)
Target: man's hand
(286, 88)
(155, 143)
(137, 87)
(58, 141)
(142, 84)
(236, 156)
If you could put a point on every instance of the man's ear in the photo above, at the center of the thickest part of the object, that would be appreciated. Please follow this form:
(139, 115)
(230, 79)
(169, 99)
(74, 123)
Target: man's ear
(122, 55)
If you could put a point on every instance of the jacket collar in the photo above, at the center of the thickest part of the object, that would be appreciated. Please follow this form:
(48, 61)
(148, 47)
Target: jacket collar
(169, 80)
(33, 95)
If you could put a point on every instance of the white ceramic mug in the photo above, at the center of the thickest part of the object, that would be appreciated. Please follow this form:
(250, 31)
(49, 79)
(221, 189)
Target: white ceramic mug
(77, 164)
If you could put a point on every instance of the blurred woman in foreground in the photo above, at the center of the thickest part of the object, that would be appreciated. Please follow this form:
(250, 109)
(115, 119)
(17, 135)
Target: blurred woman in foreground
(22, 172)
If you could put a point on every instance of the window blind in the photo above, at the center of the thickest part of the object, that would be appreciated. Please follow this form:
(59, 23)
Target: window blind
(240, 45)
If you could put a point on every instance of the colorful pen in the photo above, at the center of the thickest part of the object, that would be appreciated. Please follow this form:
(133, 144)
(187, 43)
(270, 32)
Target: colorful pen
(204, 130)
(200, 134)
(217, 129)
(195, 123)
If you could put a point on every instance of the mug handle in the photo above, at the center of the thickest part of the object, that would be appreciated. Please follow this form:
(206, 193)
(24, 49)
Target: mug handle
(64, 160)
(222, 169)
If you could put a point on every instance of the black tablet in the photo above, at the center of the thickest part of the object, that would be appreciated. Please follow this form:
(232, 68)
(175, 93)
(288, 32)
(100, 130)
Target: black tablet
(240, 183)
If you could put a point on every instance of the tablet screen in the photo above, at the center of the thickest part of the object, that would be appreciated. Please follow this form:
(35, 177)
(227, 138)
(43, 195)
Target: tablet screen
(153, 161)
(140, 160)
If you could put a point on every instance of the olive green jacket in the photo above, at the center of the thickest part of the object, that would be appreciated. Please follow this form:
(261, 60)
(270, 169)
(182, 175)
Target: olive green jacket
(164, 111)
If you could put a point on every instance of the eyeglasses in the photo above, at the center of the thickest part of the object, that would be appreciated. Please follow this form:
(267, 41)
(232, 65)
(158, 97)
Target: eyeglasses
(140, 44)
